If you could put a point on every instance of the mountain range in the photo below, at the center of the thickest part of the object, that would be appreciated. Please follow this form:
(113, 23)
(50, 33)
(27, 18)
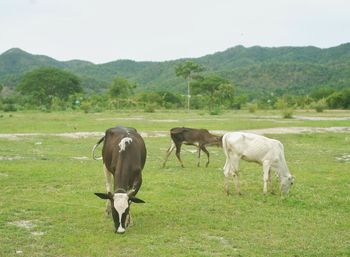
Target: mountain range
(254, 71)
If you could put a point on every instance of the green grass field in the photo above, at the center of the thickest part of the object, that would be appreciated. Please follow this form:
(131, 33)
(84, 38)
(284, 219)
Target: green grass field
(47, 205)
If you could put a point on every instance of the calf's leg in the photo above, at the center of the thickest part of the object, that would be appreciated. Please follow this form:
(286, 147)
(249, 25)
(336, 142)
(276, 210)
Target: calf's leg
(169, 151)
(199, 156)
(178, 150)
(207, 153)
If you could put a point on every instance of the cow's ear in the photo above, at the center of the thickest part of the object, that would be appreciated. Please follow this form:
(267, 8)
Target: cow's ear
(136, 200)
(103, 195)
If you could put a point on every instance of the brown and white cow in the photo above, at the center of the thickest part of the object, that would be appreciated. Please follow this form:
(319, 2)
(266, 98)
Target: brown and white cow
(191, 136)
(124, 156)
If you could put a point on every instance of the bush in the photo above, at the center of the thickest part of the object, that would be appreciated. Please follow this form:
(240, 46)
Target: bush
(86, 106)
(9, 108)
(57, 104)
(320, 105)
(252, 107)
(287, 113)
(150, 108)
(215, 111)
(340, 99)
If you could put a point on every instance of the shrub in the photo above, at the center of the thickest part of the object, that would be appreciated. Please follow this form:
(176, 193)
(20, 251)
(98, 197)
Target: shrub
(9, 108)
(320, 105)
(287, 113)
(215, 111)
(85, 106)
(150, 108)
(252, 107)
(57, 104)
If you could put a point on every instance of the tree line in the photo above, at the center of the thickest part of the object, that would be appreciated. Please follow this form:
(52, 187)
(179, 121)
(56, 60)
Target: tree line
(55, 89)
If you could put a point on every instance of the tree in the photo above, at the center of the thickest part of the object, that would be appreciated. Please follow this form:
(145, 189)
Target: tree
(187, 70)
(321, 92)
(225, 94)
(43, 84)
(170, 99)
(340, 99)
(216, 88)
(121, 89)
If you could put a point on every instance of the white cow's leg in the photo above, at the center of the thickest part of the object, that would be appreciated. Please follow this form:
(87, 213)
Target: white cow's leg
(232, 168)
(235, 166)
(109, 184)
(270, 181)
(266, 171)
(236, 182)
(227, 173)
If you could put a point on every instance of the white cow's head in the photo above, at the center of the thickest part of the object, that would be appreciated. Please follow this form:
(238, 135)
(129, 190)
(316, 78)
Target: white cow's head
(120, 203)
(286, 183)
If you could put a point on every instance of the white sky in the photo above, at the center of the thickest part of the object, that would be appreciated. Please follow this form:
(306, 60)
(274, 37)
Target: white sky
(156, 30)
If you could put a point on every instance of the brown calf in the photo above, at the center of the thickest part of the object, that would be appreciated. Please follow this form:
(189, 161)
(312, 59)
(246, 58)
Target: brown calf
(190, 136)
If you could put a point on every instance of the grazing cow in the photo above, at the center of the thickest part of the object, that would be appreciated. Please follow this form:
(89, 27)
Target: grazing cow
(190, 136)
(124, 156)
(255, 148)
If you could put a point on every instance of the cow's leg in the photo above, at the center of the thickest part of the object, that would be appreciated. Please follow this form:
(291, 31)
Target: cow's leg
(235, 172)
(236, 182)
(207, 153)
(109, 188)
(199, 156)
(169, 151)
(178, 150)
(227, 173)
(232, 169)
(129, 221)
(270, 181)
(266, 175)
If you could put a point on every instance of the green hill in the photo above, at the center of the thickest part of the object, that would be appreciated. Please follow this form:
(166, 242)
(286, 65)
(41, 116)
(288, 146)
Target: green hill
(254, 71)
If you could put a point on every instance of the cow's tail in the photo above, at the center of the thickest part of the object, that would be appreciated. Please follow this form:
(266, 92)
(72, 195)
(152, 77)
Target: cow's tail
(123, 143)
(227, 166)
(94, 148)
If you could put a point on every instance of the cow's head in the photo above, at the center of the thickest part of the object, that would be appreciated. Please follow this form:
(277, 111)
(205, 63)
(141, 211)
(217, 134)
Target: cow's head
(120, 203)
(286, 183)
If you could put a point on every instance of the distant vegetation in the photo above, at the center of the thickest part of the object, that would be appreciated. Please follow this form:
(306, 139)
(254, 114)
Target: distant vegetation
(284, 77)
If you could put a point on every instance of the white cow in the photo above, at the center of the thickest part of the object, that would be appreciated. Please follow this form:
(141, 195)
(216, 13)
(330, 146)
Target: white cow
(255, 148)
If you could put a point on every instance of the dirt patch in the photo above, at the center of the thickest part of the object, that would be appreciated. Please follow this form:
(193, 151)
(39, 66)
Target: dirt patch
(343, 158)
(38, 233)
(155, 134)
(164, 121)
(321, 118)
(27, 224)
(11, 158)
(280, 130)
(81, 158)
(75, 135)
(126, 118)
(291, 130)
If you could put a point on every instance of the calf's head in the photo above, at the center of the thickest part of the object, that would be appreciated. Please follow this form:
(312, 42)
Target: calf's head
(214, 140)
(120, 203)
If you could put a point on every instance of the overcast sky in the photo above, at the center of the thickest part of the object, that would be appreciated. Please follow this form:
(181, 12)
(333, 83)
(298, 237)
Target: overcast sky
(156, 30)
